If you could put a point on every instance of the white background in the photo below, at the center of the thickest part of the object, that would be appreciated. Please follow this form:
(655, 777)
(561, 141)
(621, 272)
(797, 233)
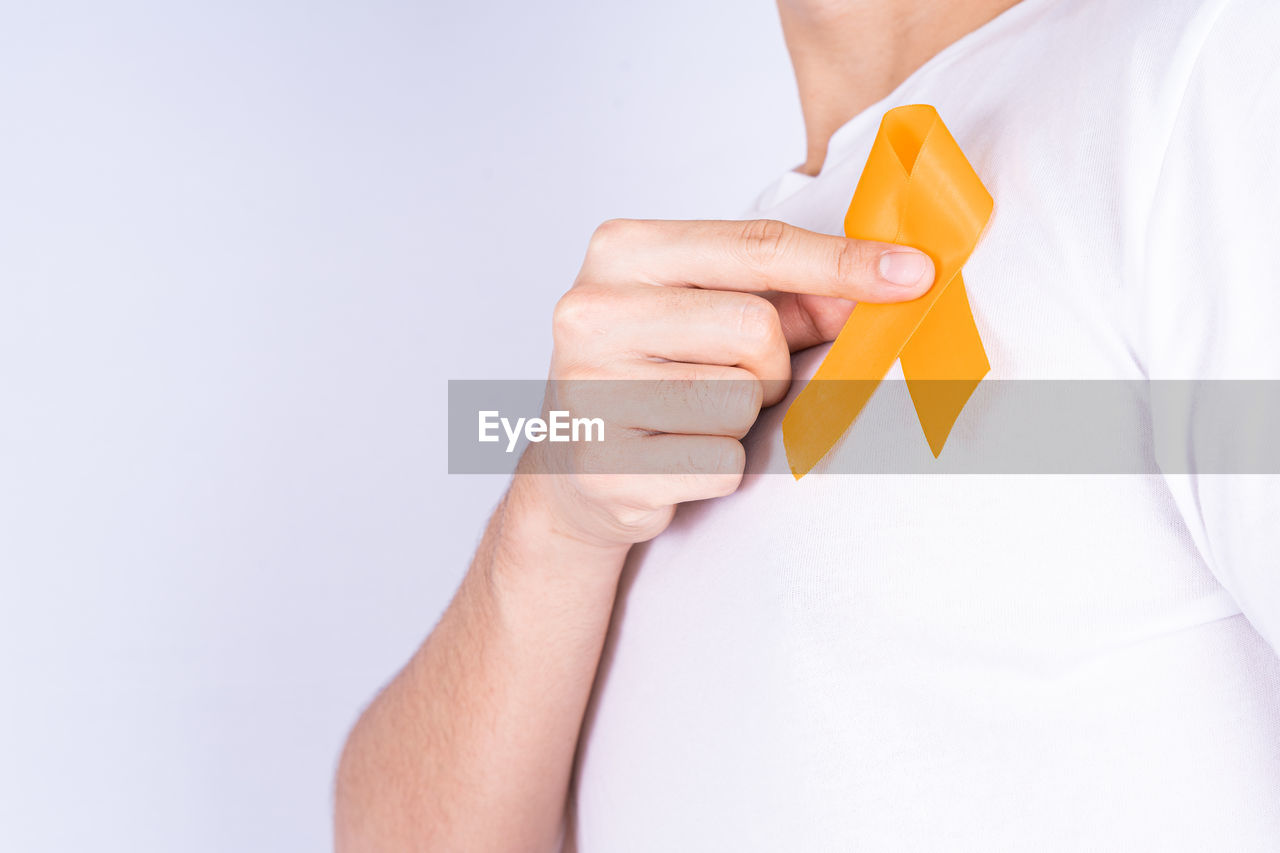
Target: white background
(242, 248)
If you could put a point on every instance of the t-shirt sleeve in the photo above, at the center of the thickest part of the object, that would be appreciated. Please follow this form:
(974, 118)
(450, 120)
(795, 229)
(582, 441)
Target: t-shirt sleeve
(1211, 271)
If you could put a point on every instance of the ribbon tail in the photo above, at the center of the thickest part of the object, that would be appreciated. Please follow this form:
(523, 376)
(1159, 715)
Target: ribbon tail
(944, 361)
(817, 419)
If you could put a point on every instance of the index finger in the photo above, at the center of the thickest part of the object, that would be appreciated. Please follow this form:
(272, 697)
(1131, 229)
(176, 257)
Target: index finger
(755, 255)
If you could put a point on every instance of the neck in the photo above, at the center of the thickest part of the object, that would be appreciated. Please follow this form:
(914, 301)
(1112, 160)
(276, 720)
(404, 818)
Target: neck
(848, 54)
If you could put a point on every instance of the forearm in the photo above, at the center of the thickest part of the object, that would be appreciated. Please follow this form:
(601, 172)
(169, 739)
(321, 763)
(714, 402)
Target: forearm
(471, 746)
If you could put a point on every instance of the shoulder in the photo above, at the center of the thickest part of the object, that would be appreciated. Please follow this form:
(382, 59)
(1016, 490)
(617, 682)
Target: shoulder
(1226, 44)
(1227, 116)
(1238, 57)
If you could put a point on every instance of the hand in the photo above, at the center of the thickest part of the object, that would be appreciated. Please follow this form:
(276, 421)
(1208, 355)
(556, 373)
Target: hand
(709, 313)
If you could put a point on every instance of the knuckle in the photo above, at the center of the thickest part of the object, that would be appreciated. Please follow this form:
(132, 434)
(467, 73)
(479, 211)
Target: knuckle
(725, 459)
(705, 394)
(741, 404)
(759, 324)
(627, 504)
(852, 261)
(763, 241)
(733, 458)
(576, 313)
(757, 318)
(638, 524)
(609, 234)
(721, 456)
(629, 516)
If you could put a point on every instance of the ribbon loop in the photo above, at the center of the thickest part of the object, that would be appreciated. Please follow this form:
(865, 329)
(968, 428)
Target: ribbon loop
(917, 189)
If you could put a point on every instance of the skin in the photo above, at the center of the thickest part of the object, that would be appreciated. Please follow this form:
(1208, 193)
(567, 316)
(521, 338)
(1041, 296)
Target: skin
(471, 746)
(848, 54)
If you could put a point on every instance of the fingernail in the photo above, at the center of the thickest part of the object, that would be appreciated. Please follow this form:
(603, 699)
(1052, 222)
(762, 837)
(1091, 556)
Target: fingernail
(906, 268)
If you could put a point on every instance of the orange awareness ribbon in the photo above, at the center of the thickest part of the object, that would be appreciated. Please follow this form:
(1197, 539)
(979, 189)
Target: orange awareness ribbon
(919, 190)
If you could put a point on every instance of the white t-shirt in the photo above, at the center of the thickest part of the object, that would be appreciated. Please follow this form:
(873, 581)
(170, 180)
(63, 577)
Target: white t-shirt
(998, 662)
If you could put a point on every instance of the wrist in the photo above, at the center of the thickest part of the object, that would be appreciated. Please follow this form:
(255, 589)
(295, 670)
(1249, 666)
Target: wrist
(532, 544)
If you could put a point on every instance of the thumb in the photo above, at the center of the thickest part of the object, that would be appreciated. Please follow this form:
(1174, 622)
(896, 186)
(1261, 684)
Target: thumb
(808, 320)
